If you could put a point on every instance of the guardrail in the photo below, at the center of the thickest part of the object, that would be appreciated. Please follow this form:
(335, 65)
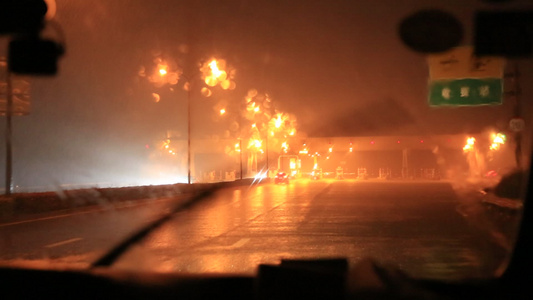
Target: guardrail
(35, 203)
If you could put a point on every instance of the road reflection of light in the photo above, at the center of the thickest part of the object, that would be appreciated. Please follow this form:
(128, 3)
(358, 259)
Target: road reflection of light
(218, 220)
(166, 266)
(237, 197)
(257, 199)
(279, 198)
(164, 238)
(217, 263)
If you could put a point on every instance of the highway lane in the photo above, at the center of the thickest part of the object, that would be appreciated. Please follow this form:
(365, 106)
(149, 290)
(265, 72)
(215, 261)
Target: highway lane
(412, 225)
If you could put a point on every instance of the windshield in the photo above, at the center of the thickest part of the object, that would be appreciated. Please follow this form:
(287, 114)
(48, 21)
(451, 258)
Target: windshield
(336, 129)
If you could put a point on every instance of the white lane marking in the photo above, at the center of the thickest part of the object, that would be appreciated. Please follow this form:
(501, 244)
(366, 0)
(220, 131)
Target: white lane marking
(239, 243)
(47, 218)
(99, 209)
(461, 210)
(63, 243)
(501, 240)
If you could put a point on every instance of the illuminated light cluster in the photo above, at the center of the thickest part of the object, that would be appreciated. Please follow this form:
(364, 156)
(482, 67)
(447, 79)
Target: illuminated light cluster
(285, 147)
(470, 142)
(305, 150)
(284, 124)
(214, 73)
(292, 164)
(278, 121)
(497, 140)
(206, 92)
(217, 73)
(267, 122)
(251, 107)
(255, 143)
(237, 147)
(222, 111)
(156, 97)
(166, 147)
(162, 74)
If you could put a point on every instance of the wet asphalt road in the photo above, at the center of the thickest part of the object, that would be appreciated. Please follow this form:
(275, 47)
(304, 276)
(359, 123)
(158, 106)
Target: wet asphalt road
(415, 226)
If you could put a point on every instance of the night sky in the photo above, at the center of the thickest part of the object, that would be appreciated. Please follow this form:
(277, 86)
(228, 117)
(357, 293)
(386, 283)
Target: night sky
(338, 66)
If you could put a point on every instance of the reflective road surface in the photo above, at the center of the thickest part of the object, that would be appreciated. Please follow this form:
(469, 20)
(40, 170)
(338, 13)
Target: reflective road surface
(415, 226)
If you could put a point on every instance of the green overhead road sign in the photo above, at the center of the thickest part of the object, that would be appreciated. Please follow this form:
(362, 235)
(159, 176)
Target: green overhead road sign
(459, 78)
(465, 92)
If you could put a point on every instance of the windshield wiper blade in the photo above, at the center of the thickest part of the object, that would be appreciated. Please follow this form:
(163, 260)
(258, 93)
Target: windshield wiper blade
(110, 257)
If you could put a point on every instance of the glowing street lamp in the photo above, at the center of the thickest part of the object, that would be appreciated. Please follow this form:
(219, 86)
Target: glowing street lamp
(285, 147)
(470, 142)
(304, 150)
(212, 73)
(268, 123)
(497, 140)
(278, 121)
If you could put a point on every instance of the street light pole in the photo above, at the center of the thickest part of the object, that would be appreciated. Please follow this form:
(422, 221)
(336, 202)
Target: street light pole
(266, 146)
(272, 110)
(189, 133)
(240, 152)
(9, 134)
(517, 114)
(163, 72)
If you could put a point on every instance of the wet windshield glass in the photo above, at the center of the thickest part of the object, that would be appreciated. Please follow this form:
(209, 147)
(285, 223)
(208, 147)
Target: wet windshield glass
(338, 129)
